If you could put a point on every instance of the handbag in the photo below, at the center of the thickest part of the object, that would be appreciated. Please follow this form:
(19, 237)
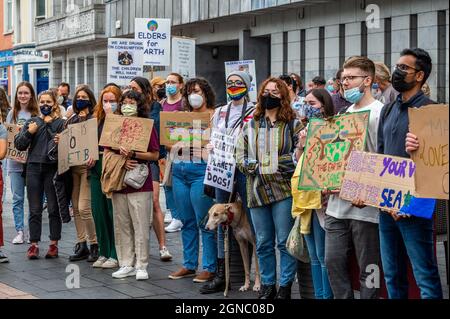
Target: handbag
(136, 177)
(295, 244)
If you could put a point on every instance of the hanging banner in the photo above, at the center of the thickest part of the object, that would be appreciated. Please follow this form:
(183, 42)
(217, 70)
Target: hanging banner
(188, 127)
(77, 144)
(382, 181)
(221, 163)
(12, 153)
(132, 133)
(246, 66)
(125, 58)
(430, 125)
(155, 35)
(328, 147)
(183, 57)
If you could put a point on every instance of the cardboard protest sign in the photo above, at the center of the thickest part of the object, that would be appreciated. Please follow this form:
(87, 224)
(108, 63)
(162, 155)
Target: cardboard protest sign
(132, 133)
(12, 153)
(221, 163)
(328, 147)
(382, 181)
(430, 125)
(125, 58)
(188, 127)
(156, 37)
(77, 144)
(246, 66)
(183, 57)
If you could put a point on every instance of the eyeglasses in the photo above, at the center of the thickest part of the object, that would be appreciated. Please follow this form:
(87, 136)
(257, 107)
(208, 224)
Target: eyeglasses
(350, 78)
(235, 83)
(404, 68)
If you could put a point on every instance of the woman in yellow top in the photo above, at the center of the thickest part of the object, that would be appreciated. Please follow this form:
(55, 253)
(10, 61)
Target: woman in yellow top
(311, 205)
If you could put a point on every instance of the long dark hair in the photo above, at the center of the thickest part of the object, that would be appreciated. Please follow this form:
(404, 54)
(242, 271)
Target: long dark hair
(4, 104)
(142, 106)
(325, 99)
(89, 93)
(32, 105)
(146, 88)
(206, 88)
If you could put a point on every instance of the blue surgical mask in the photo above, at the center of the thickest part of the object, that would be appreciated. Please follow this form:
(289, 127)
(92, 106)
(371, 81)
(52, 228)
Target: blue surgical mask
(375, 86)
(354, 95)
(312, 112)
(330, 88)
(113, 105)
(171, 89)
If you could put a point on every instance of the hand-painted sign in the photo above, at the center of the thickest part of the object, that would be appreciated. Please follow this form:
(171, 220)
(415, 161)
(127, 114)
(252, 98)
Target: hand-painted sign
(328, 147)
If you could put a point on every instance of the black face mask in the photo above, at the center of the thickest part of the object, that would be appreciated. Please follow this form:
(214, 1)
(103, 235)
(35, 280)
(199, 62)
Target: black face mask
(84, 104)
(161, 93)
(269, 102)
(399, 83)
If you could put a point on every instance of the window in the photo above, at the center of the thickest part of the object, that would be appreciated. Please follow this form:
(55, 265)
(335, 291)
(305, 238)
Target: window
(3, 73)
(40, 8)
(8, 26)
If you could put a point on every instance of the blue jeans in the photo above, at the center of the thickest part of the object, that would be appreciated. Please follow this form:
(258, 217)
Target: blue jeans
(223, 197)
(170, 202)
(272, 222)
(18, 192)
(411, 237)
(193, 206)
(316, 248)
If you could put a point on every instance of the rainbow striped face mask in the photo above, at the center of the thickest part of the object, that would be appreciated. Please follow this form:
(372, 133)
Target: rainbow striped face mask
(236, 93)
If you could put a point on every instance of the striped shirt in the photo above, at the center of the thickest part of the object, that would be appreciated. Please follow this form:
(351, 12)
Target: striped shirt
(268, 174)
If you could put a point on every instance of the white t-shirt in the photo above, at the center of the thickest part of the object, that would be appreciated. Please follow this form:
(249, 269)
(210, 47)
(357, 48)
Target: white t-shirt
(342, 209)
(235, 116)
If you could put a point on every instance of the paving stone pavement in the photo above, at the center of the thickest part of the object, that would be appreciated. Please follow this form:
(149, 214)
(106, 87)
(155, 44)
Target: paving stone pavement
(21, 278)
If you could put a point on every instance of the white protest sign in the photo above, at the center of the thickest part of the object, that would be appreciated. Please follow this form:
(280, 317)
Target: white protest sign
(246, 66)
(183, 57)
(125, 58)
(221, 164)
(155, 35)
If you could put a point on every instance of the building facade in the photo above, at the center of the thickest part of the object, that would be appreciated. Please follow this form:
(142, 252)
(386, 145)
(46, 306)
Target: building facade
(309, 37)
(74, 33)
(6, 45)
(30, 64)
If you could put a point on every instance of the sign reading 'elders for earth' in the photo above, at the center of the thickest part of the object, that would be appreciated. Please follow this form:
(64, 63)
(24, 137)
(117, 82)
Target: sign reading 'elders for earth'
(430, 125)
(155, 35)
(382, 181)
(328, 147)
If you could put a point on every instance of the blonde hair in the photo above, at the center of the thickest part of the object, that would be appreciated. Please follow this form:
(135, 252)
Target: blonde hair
(382, 72)
(426, 90)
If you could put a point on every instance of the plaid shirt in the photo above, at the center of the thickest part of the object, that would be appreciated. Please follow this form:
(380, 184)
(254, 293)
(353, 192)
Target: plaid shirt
(265, 189)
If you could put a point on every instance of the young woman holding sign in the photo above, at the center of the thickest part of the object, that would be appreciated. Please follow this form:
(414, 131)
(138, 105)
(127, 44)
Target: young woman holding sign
(133, 207)
(36, 136)
(102, 209)
(25, 107)
(191, 202)
(83, 107)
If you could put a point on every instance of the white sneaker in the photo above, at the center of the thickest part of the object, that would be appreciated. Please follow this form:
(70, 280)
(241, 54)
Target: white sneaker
(111, 263)
(124, 272)
(164, 254)
(18, 240)
(100, 261)
(174, 226)
(167, 217)
(141, 274)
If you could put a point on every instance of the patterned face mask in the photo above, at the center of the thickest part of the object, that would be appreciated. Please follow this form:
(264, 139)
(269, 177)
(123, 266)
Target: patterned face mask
(312, 112)
(236, 93)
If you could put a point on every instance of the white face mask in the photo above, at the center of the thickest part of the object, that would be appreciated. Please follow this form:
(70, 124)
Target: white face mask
(196, 101)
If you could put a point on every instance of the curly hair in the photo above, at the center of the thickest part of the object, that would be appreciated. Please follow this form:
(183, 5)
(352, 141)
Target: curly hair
(206, 88)
(4, 105)
(142, 107)
(99, 112)
(285, 112)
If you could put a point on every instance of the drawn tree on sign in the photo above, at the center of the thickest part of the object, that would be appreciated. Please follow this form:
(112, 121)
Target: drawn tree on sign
(128, 133)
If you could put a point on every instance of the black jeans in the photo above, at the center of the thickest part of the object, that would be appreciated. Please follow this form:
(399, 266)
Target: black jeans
(39, 179)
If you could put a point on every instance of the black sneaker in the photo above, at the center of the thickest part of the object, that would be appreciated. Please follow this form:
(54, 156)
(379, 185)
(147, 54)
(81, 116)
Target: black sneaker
(3, 258)
(284, 292)
(268, 292)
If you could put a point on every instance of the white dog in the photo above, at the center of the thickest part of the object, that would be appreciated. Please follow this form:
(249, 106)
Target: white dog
(237, 219)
